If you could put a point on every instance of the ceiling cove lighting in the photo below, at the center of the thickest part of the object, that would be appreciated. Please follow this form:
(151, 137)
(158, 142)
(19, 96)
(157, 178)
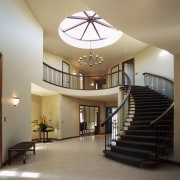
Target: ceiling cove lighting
(80, 28)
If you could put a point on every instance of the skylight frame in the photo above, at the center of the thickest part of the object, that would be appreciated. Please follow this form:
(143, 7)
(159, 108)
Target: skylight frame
(84, 28)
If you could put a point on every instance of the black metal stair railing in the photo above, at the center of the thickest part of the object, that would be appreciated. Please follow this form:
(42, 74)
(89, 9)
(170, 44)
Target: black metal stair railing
(163, 124)
(112, 129)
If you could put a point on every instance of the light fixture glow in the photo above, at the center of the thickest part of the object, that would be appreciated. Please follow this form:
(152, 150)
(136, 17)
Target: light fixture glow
(30, 175)
(163, 53)
(92, 83)
(16, 101)
(8, 173)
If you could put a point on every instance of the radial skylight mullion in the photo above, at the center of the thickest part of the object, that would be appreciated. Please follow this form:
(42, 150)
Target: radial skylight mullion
(85, 30)
(96, 31)
(74, 26)
(77, 32)
(91, 20)
(91, 34)
(104, 24)
(89, 17)
(77, 17)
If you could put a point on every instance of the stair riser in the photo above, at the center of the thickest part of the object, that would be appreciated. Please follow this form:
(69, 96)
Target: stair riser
(136, 127)
(122, 160)
(152, 99)
(139, 139)
(143, 118)
(152, 102)
(144, 133)
(148, 106)
(147, 113)
(140, 133)
(131, 153)
(152, 110)
(148, 127)
(136, 122)
(139, 146)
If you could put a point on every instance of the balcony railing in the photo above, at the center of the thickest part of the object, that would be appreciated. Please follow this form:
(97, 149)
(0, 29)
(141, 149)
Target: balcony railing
(160, 84)
(164, 86)
(67, 80)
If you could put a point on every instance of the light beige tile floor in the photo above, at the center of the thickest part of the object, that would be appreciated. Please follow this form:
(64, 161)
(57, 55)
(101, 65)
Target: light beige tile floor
(80, 159)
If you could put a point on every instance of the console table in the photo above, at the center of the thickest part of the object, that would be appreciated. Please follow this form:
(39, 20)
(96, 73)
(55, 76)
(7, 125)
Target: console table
(43, 135)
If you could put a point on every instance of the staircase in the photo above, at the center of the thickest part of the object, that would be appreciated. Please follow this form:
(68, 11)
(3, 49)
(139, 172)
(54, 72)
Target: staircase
(143, 143)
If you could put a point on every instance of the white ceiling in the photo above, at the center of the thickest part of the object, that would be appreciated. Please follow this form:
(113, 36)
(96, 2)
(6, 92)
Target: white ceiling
(143, 22)
(51, 13)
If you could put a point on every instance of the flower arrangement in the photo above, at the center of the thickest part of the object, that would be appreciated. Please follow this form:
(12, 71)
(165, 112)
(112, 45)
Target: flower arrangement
(42, 124)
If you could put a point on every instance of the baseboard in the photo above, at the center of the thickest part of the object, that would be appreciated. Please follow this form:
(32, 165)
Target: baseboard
(170, 162)
(68, 138)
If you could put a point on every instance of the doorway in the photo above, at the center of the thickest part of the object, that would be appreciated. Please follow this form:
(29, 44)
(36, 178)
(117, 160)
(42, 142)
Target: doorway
(115, 76)
(89, 120)
(128, 68)
(65, 75)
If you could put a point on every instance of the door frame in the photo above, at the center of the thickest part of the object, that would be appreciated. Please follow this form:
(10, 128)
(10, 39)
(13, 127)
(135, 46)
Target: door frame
(1, 68)
(114, 72)
(129, 61)
(97, 128)
(65, 74)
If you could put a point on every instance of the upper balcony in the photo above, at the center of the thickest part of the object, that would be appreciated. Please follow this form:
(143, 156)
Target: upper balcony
(82, 82)
(99, 88)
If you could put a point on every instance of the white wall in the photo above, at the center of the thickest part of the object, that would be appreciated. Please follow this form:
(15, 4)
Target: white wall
(149, 61)
(22, 48)
(70, 115)
(35, 112)
(56, 62)
(51, 110)
(64, 112)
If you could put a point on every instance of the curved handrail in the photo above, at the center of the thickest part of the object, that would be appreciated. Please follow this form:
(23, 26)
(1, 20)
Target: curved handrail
(74, 81)
(159, 77)
(122, 103)
(162, 115)
(155, 121)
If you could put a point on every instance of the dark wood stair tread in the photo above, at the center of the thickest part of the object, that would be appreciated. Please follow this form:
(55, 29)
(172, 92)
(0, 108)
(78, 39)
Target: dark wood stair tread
(135, 161)
(134, 149)
(138, 145)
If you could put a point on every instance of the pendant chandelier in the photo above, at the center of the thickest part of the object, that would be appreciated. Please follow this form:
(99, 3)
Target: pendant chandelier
(90, 61)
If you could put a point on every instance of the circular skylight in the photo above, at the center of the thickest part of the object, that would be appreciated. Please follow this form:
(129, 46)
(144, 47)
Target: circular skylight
(88, 31)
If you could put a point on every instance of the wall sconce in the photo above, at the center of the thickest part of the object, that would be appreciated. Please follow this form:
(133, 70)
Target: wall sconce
(92, 83)
(16, 101)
